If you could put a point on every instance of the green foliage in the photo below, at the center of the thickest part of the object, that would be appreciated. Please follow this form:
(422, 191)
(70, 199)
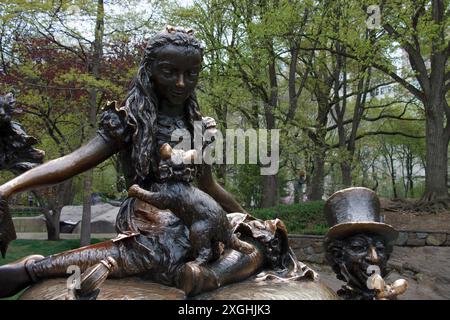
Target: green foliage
(22, 248)
(242, 38)
(246, 185)
(301, 218)
(27, 213)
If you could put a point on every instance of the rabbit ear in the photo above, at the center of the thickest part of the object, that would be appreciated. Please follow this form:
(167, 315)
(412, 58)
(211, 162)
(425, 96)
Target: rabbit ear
(165, 151)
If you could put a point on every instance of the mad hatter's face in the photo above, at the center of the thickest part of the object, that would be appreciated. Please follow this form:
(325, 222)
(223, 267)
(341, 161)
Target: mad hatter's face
(358, 256)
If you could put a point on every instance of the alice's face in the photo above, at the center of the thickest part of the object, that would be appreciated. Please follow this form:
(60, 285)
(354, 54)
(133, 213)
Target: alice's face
(175, 73)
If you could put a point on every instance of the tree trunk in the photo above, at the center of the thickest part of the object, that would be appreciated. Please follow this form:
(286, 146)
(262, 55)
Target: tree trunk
(85, 237)
(346, 171)
(317, 179)
(374, 177)
(364, 169)
(269, 194)
(296, 192)
(393, 180)
(436, 166)
(270, 183)
(309, 168)
(409, 183)
(410, 175)
(53, 232)
(52, 212)
(322, 91)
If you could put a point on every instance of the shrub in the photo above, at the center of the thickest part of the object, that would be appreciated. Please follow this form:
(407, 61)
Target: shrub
(300, 218)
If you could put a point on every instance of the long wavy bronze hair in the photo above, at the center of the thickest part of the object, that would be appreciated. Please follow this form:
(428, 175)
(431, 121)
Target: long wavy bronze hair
(141, 104)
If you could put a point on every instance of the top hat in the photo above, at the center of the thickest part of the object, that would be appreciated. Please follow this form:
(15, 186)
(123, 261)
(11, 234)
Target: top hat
(355, 210)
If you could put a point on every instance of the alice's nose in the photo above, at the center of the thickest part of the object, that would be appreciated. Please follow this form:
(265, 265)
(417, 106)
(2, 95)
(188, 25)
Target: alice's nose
(180, 81)
(372, 255)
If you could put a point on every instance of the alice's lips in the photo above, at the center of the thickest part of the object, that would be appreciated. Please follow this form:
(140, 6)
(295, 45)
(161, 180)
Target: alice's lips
(178, 93)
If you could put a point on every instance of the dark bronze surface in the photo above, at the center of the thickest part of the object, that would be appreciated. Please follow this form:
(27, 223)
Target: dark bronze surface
(252, 289)
(154, 242)
(18, 155)
(353, 209)
(16, 147)
(358, 244)
(137, 289)
(351, 258)
(130, 288)
(207, 221)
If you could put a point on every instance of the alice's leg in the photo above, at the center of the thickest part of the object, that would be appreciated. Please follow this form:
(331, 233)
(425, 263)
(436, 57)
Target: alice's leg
(130, 261)
(17, 276)
(232, 267)
(57, 265)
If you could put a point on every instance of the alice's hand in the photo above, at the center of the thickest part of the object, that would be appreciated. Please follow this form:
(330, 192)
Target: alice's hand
(7, 231)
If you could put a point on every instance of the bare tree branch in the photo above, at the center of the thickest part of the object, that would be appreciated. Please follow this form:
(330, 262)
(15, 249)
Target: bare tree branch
(376, 133)
(416, 92)
(417, 62)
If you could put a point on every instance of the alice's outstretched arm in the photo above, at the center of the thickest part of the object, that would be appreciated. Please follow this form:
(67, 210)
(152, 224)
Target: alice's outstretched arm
(58, 170)
(207, 184)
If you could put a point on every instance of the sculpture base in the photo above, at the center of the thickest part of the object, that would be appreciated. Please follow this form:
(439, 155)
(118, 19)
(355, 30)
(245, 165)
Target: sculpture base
(137, 289)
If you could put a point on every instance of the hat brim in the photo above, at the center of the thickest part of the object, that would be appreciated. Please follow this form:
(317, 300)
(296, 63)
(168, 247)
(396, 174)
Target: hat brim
(343, 230)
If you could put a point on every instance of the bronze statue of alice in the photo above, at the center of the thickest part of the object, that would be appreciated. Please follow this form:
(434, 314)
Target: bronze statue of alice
(163, 238)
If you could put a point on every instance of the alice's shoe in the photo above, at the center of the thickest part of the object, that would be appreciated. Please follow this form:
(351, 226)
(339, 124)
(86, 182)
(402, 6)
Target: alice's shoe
(231, 267)
(15, 276)
(91, 280)
(194, 279)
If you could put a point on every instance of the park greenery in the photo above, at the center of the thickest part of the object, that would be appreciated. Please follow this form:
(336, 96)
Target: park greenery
(20, 248)
(360, 94)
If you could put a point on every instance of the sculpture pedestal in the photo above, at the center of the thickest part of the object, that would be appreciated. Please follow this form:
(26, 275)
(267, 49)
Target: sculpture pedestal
(137, 289)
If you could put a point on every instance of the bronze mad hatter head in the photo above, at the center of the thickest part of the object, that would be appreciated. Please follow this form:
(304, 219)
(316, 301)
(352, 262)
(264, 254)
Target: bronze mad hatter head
(357, 243)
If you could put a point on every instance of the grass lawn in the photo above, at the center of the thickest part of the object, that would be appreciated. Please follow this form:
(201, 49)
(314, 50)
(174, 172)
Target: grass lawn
(21, 248)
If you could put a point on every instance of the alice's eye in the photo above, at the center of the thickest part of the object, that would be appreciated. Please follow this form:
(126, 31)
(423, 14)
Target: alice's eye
(166, 70)
(193, 73)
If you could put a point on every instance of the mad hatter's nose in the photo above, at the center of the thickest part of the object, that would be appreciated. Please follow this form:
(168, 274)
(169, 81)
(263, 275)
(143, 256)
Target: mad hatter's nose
(372, 255)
